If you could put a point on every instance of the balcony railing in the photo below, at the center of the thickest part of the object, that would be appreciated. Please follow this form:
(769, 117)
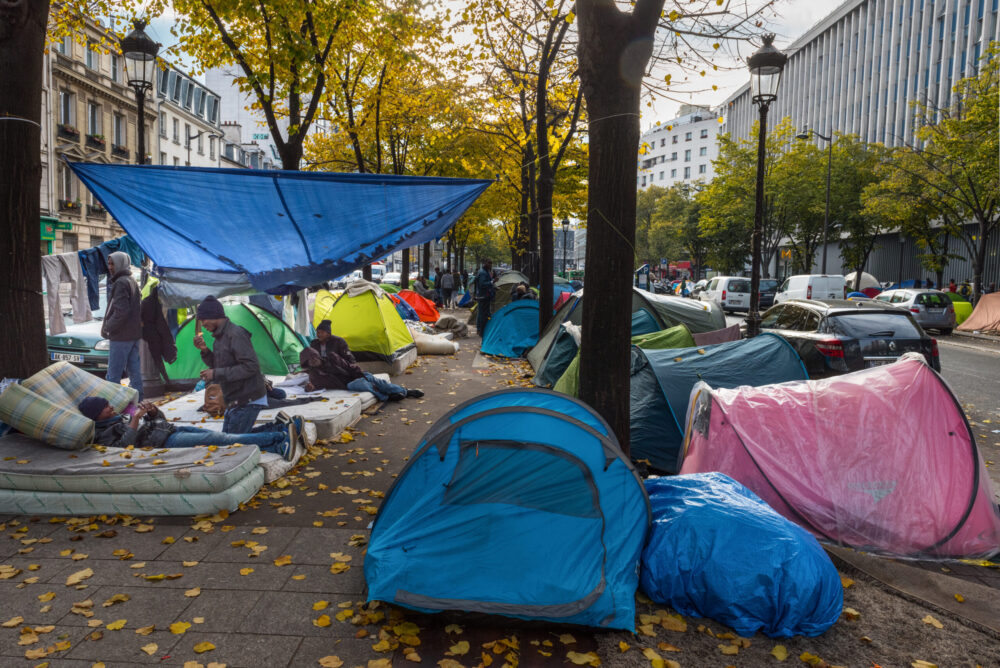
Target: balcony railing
(67, 131)
(69, 205)
(95, 210)
(96, 141)
(120, 151)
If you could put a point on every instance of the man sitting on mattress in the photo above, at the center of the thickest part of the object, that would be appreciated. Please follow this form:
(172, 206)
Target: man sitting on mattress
(118, 431)
(333, 372)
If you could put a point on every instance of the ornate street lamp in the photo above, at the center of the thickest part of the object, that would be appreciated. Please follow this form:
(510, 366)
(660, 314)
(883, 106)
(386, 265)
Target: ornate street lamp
(765, 65)
(805, 134)
(140, 52)
(565, 226)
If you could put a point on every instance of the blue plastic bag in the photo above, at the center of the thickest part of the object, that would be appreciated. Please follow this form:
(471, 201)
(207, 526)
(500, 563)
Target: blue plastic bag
(717, 550)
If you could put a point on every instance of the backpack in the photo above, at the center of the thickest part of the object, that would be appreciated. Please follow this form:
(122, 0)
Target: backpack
(215, 404)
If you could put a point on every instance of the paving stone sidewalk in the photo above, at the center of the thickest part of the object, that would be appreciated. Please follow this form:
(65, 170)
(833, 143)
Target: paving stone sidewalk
(280, 583)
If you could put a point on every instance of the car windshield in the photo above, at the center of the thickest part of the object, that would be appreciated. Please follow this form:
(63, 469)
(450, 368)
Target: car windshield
(874, 324)
(933, 300)
(767, 284)
(739, 286)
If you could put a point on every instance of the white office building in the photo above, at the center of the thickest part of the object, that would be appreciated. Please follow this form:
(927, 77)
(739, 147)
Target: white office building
(858, 70)
(679, 151)
(580, 248)
(188, 121)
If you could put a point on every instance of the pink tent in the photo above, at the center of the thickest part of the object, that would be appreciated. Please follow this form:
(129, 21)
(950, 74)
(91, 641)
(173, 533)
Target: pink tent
(881, 459)
(563, 298)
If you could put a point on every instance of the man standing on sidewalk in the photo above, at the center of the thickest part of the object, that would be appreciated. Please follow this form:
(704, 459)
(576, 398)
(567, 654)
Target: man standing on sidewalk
(122, 325)
(233, 364)
(447, 287)
(484, 291)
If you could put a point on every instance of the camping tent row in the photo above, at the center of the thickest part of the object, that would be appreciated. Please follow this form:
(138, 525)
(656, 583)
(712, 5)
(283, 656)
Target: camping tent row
(503, 286)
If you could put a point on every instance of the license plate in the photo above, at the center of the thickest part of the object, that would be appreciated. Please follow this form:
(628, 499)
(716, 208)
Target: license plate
(935, 311)
(67, 357)
(870, 363)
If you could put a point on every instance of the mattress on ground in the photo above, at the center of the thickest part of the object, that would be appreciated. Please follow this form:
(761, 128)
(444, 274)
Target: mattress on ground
(126, 503)
(31, 466)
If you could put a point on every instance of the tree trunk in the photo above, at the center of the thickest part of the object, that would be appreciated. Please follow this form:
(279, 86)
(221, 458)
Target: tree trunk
(22, 45)
(531, 254)
(546, 185)
(979, 263)
(613, 50)
(404, 275)
(366, 272)
(291, 153)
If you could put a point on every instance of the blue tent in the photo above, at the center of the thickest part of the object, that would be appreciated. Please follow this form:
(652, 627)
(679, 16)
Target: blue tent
(512, 330)
(644, 322)
(466, 299)
(404, 310)
(275, 230)
(518, 503)
(662, 380)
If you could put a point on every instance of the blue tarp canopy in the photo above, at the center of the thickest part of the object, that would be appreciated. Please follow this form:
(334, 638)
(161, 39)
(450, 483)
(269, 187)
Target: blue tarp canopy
(279, 230)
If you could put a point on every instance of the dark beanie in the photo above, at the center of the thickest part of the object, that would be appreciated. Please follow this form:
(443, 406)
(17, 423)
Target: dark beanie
(324, 327)
(210, 309)
(92, 407)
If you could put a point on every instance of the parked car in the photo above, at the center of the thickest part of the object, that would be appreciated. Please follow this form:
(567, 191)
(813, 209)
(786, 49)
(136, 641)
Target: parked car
(838, 336)
(931, 308)
(82, 344)
(768, 289)
(699, 287)
(731, 293)
(812, 286)
(341, 283)
(392, 278)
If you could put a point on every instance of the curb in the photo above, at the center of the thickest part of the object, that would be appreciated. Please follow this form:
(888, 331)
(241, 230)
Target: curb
(981, 337)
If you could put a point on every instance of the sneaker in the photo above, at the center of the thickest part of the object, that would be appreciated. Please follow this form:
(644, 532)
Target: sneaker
(397, 397)
(415, 394)
(282, 418)
(291, 443)
(300, 430)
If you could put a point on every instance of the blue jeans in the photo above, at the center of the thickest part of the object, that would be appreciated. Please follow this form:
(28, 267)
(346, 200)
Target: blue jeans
(124, 355)
(240, 420)
(382, 389)
(189, 437)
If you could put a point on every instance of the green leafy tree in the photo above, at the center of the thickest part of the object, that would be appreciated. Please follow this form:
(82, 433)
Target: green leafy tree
(675, 234)
(799, 179)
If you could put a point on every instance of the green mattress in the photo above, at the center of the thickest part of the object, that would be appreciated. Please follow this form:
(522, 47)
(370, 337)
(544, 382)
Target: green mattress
(39, 479)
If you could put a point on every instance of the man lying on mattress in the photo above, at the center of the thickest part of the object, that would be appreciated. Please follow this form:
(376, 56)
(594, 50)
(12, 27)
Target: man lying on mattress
(148, 428)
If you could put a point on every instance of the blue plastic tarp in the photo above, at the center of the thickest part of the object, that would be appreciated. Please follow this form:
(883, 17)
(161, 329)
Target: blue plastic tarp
(717, 550)
(512, 330)
(281, 230)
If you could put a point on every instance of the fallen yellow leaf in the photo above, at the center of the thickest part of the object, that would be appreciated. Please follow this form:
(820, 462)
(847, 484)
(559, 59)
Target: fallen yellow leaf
(729, 649)
(453, 628)
(246, 571)
(331, 661)
(588, 659)
(145, 630)
(458, 649)
(116, 625)
(379, 663)
(78, 577)
(179, 628)
(191, 593)
(283, 560)
(673, 622)
(150, 649)
(851, 614)
(923, 664)
(116, 598)
(623, 646)
(780, 652)
(959, 598)
(322, 621)
(47, 596)
(846, 581)
(321, 605)
(567, 639)
(12, 622)
(203, 647)
(933, 622)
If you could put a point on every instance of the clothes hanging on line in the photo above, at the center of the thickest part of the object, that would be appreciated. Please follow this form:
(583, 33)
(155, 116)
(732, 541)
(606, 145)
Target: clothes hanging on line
(65, 268)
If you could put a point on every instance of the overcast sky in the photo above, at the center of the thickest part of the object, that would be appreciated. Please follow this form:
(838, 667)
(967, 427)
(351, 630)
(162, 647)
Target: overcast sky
(793, 18)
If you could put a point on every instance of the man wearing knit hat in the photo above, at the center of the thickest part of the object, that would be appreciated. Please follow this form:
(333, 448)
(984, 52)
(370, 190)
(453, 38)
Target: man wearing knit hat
(232, 363)
(122, 325)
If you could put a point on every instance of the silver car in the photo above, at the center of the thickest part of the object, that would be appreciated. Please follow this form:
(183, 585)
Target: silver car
(932, 309)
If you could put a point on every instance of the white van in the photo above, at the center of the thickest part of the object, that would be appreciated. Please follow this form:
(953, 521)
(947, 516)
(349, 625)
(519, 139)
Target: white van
(730, 293)
(812, 286)
(378, 273)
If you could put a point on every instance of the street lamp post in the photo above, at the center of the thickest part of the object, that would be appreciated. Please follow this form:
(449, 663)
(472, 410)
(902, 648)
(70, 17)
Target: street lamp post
(765, 66)
(565, 226)
(140, 52)
(805, 134)
(195, 136)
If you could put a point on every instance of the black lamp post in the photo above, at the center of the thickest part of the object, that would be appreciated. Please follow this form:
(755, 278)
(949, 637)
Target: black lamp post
(565, 226)
(805, 134)
(140, 52)
(765, 65)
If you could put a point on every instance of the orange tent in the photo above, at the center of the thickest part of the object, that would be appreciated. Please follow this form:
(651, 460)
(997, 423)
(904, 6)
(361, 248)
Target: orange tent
(424, 307)
(986, 317)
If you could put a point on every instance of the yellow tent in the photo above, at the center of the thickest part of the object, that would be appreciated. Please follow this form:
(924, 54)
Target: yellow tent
(369, 322)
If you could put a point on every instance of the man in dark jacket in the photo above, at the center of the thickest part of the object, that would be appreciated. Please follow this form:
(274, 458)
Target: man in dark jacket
(122, 325)
(118, 431)
(327, 344)
(332, 372)
(156, 332)
(233, 364)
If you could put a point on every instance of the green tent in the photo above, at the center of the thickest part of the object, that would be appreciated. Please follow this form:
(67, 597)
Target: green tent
(276, 344)
(663, 310)
(963, 307)
(673, 337)
(389, 287)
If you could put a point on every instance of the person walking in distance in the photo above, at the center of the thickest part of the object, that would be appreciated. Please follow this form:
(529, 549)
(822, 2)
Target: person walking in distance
(122, 325)
(233, 364)
(447, 287)
(484, 291)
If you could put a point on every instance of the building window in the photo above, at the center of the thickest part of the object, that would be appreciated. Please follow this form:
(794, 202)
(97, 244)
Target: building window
(67, 107)
(673, 156)
(213, 109)
(177, 131)
(93, 118)
(164, 79)
(687, 172)
(65, 46)
(188, 93)
(177, 162)
(211, 148)
(67, 184)
(687, 136)
(675, 140)
(199, 95)
(201, 143)
(175, 88)
(70, 243)
(163, 124)
(96, 240)
(116, 68)
(701, 169)
(163, 158)
(644, 182)
(119, 129)
(687, 155)
(703, 150)
(704, 133)
(663, 142)
(661, 176)
(93, 58)
(673, 173)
